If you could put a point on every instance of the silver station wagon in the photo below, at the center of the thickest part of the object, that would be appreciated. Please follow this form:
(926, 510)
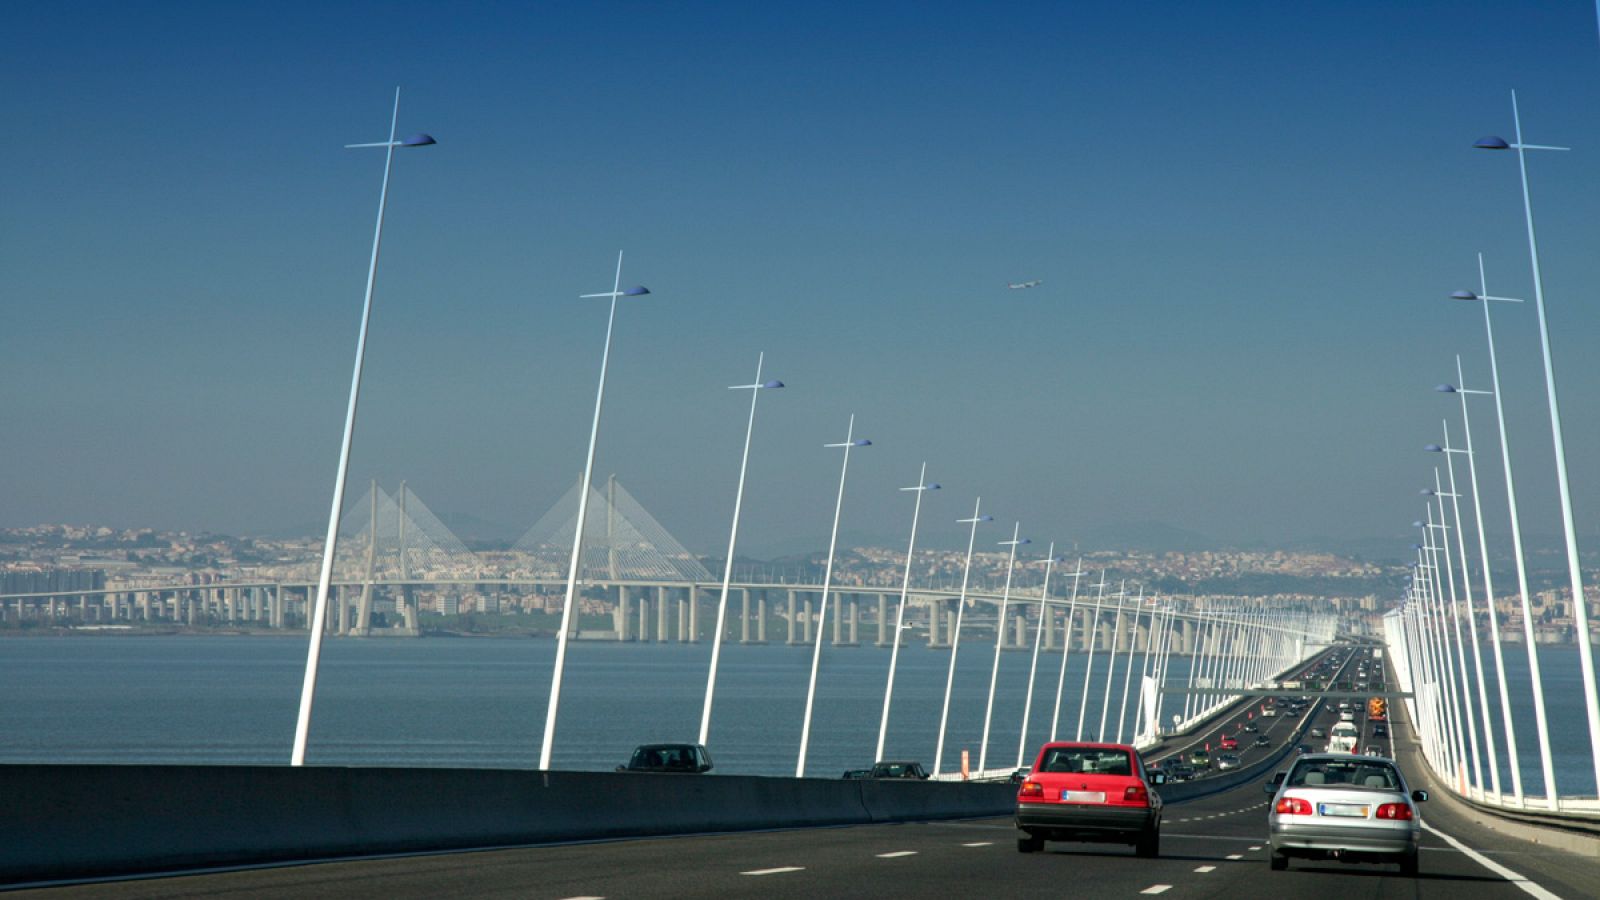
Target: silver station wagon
(1346, 808)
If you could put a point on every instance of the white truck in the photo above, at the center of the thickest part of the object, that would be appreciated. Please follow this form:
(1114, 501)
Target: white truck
(1342, 739)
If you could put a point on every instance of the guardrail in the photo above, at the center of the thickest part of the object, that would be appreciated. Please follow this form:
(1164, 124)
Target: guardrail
(80, 821)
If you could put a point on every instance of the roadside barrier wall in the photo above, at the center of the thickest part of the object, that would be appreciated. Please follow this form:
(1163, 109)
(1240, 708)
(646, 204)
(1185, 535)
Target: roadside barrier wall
(81, 821)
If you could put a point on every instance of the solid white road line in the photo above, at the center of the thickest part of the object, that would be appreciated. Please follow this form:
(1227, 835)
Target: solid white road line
(1518, 880)
(1204, 869)
(778, 871)
(897, 853)
(1157, 889)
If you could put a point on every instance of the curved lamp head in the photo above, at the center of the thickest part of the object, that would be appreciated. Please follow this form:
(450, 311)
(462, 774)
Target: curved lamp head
(1445, 388)
(418, 140)
(772, 384)
(1433, 448)
(1463, 295)
(861, 442)
(931, 486)
(1491, 143)
(1425, 492)
(636, 291)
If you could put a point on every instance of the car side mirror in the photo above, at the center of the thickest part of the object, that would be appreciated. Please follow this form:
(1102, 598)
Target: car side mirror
(1158, 778)
(1270, 787)
(622, 768)
(1419, 796)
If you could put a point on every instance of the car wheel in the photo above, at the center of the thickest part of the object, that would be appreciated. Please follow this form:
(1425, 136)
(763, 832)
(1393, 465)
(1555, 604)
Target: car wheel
(1278, 861)
(1408, 865)
(1030, 844)
(1149, 845)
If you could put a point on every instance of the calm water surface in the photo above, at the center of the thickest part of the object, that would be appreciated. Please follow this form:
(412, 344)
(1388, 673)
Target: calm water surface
(480, 702)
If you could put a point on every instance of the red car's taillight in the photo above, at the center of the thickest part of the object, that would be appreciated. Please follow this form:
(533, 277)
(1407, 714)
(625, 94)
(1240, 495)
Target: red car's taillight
(1294, 806)
(1031, 789)
(1398, 811)
(1136, 793)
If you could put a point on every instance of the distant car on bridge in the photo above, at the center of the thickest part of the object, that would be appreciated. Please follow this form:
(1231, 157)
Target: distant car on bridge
(680, 758)
(898, 769)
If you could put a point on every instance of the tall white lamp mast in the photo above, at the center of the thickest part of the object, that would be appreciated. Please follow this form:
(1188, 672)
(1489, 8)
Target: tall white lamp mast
(319, 613)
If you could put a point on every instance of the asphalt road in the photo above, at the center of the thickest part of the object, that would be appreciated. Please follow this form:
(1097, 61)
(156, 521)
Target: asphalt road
(1211, 847)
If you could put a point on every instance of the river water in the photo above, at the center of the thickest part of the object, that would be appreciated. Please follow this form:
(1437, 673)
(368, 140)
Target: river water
(480, 702)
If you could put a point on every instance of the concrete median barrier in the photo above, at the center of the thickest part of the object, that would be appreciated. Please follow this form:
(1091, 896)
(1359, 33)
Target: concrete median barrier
(65, 822)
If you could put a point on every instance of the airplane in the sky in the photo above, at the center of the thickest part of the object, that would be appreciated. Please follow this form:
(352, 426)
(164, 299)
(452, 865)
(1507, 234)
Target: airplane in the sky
(1020, 285)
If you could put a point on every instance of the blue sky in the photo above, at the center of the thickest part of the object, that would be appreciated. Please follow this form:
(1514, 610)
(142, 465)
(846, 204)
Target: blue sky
(1244, 216)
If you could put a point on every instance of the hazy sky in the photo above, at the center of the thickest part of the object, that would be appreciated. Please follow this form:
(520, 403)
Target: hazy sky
(1245, 217)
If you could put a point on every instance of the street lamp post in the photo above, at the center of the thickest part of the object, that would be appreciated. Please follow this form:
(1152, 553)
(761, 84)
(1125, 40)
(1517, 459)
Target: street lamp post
(1546, 757)
(955, 637)
(922, 487)
(1580, 605)
(1038, 637)
(1133, 646)
(1111, 667)
(999, 643)
(1066, 647)
(1092, 635)
(1472, 624)
(319, 613)
(616, 291)
(850, 442)
(755, 388)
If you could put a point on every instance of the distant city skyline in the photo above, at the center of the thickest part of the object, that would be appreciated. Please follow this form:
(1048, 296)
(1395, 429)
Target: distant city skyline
(1244, 222)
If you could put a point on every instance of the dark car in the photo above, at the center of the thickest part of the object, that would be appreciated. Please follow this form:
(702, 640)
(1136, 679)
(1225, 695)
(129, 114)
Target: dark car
(1263, 741)
(857, 773)
(1090, 792)
(1380, 731)
(1180, 772)
(1251, 728)
(683, 758)
(898, 769)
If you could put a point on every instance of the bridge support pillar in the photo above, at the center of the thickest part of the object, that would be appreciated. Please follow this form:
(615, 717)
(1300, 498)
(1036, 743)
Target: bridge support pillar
(761, 617)
(883, 620)
(683, 620)
(805, 621)
(644, 618)
(744, 615)
(838, 619)
(794, 621)
(855, 620)
(933, 623)
(693, 601)
(619, 615)
(1022, 629)
(663, 615)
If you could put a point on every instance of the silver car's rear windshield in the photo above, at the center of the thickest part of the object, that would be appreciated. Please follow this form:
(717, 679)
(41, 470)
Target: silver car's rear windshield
(1089, 760)
(1354, 772)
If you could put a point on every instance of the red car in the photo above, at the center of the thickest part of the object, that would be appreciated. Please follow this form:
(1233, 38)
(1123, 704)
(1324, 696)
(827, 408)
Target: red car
(1229, 743)
(1090, 792)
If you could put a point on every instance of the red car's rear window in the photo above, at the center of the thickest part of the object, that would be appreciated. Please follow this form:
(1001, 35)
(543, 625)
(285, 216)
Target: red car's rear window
(1086, 760)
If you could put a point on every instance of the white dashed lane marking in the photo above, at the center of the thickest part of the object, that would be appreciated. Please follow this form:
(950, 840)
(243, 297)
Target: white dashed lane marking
(897, 853)
(778, 871)
(1204, 869)
(1157, 889)
(1257, 847)
(1235, 856)
(979, 844)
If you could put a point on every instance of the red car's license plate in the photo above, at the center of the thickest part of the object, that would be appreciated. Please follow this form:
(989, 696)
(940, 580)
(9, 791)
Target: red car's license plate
(1083, 796)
